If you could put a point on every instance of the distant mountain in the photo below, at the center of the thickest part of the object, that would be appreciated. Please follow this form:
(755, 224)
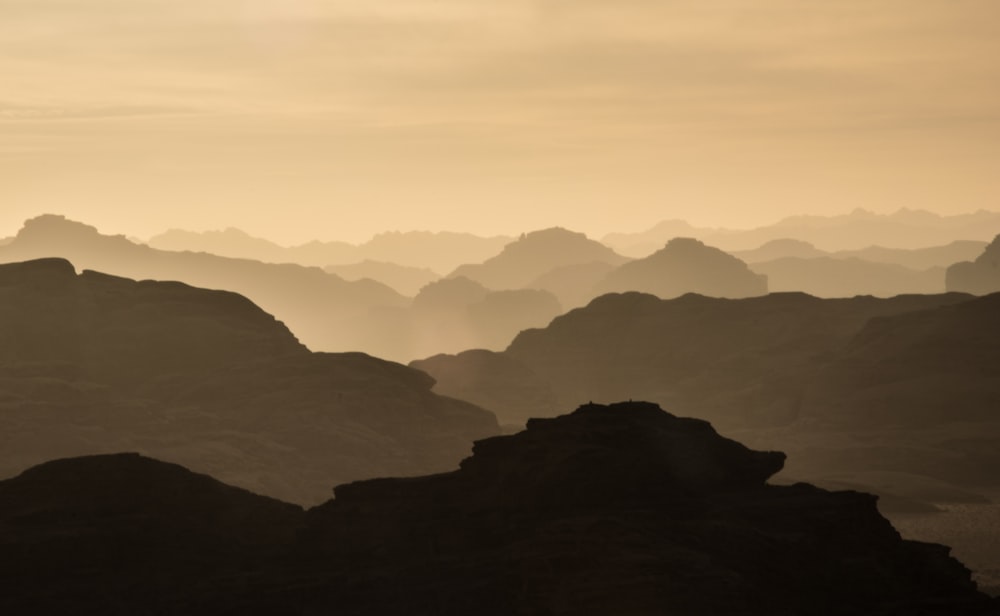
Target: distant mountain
(574, 285)
(93, 363)
(422, 249)
(454, 314)
(535, 254)
(779, 249)
(857, 230)
(978, 277)
(623, 509)
(404, 280)
(683, 266)
(847, 277)
(325, 311)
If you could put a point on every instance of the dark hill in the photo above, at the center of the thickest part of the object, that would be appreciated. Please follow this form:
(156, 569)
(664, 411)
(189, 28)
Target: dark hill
(533, 255)
(978, 277)
(685, 265)
(92, 363)
(621, 509)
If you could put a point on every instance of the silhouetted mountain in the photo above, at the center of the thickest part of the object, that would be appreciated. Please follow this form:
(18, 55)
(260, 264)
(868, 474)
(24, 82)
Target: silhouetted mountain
(685, 265)
(912, 258)
(123, 534)
(404, 280)
(454, 314)
(423, 249)
(847, 277)
(849, 386)
(623, 509)
(93, 363)
(535, 254)
(978, 277)
(902, 229)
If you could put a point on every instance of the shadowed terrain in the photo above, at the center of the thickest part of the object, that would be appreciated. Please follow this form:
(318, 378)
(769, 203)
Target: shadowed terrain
(92, 363)
(620, 509)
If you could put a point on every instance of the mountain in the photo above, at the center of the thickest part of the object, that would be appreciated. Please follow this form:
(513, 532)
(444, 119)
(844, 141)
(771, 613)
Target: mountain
(685, 265)
(573, 285)
(92, 363)
(325, 311)
(422, 249)
(978, 277)
(919, 258)
(620, 509)
(779, 249)
(904, 229)
(454, 314)
(847, 277)
(403, 279)
(535, 254)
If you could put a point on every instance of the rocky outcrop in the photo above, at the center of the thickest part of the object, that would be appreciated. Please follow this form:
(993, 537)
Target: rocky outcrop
(91, 363)
(979, 277)
(620, 509)
(683, 266)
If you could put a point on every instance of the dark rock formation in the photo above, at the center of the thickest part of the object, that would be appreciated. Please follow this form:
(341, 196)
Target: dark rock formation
(533, 255)
(93, 363)
(620, 509)
(685, 265)
(978, 277)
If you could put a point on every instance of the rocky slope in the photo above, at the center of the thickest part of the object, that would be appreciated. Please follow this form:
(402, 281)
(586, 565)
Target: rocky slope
(621, 509)
(91, 363)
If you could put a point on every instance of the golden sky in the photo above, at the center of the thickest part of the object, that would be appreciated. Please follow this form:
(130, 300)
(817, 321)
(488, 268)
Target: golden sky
(336, 119)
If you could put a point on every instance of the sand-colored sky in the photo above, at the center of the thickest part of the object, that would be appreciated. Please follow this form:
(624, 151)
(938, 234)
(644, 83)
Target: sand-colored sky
(335, 119)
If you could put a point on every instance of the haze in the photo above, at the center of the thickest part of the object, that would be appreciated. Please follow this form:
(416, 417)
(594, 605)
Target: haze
(305, 119)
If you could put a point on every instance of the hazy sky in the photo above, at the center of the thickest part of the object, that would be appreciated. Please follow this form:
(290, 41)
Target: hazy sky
(334, 119)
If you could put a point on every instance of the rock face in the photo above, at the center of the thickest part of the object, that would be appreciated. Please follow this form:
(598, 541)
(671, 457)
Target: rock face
(978, 277)
(683, 266)
(92, 363)
(621, 509)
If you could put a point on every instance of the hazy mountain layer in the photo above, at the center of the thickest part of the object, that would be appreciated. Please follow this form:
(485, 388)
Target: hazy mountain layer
(534, 255)
(912, 258)
(405, 280)
(623, 509)
(978, 277)
(855, 231)
(441, 252)
(93, 363)
(847, 277)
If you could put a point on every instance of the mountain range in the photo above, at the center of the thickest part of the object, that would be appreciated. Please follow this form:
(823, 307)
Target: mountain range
(92, 363)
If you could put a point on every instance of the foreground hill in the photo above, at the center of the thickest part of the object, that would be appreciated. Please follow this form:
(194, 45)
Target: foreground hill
(623, 509)
(93, 363)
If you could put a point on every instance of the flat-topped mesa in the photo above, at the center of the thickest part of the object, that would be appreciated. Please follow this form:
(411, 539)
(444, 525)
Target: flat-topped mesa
(626, 453)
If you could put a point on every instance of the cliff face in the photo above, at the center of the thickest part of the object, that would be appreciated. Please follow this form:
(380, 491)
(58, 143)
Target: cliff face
(92, 363)
(620, 509)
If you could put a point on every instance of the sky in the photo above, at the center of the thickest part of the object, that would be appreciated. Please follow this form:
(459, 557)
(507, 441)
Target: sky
(337, 119)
